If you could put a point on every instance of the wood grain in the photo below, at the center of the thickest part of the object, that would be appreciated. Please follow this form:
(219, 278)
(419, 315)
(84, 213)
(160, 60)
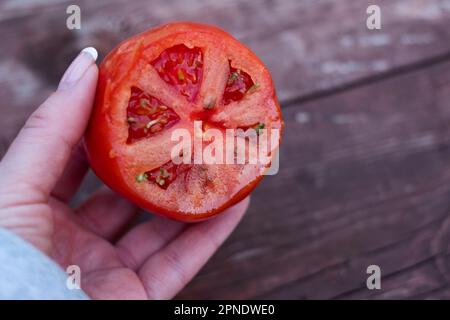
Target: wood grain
(364, 179)
(309, 46)
(364, 175)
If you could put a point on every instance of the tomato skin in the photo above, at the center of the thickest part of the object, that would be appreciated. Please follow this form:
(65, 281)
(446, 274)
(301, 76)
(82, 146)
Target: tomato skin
(99, 140)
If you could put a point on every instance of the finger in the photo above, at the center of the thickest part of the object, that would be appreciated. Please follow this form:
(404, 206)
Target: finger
(166, 272)
(145, 239)
(73, 175)
(106, 213)
(40, 152)
(103, 275)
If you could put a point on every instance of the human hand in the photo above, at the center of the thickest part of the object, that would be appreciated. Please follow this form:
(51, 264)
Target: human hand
(43, 169)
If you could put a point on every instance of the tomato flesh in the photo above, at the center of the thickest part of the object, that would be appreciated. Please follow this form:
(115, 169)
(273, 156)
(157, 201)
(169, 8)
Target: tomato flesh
(181, 67)
(146, 115)
(238, 84)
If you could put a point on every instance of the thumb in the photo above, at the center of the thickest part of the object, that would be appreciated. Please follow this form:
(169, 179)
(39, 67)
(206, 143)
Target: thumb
(38, 155)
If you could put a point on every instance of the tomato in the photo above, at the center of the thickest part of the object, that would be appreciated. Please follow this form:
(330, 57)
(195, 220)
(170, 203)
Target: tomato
(166, 79)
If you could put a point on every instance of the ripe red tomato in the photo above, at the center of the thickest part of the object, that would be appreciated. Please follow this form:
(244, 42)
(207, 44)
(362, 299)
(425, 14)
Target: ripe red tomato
(162, 80)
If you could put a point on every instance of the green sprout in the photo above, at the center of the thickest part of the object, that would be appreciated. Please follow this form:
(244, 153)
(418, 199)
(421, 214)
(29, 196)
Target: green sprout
(163, 173)
(233, 77)
(259, 127)
(141, 177)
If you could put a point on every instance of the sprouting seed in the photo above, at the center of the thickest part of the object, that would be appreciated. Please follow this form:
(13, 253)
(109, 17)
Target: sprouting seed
(163, 120)
(233, 77)
(209, 105)
(253, 88)
(141, 177)
(163, 173)
(259, 127)
(151, 123)
(144, 103)
(160, 181)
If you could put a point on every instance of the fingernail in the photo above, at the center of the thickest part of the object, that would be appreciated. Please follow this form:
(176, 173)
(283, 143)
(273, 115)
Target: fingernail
(78, 67)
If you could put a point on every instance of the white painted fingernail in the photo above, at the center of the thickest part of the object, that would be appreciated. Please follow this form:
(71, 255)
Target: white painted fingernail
(92, 51)
(78, 67)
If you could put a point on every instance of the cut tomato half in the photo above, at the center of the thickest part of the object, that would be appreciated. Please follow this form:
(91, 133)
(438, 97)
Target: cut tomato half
(172, 79)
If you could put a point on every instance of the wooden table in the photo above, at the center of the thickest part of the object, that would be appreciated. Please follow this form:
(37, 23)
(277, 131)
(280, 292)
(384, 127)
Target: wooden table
(365, 161)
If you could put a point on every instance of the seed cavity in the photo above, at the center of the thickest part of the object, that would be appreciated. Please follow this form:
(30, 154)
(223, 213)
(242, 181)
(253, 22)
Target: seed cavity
(181, 67)
(239, 84)
(147, 115)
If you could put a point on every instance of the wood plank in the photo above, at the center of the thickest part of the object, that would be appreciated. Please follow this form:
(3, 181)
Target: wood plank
(274, 29)
(364, 179)
(308, 45)
(364, 174)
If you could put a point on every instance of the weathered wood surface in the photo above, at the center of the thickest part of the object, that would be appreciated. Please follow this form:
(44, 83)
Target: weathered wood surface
(372, 190)
(364, 175)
